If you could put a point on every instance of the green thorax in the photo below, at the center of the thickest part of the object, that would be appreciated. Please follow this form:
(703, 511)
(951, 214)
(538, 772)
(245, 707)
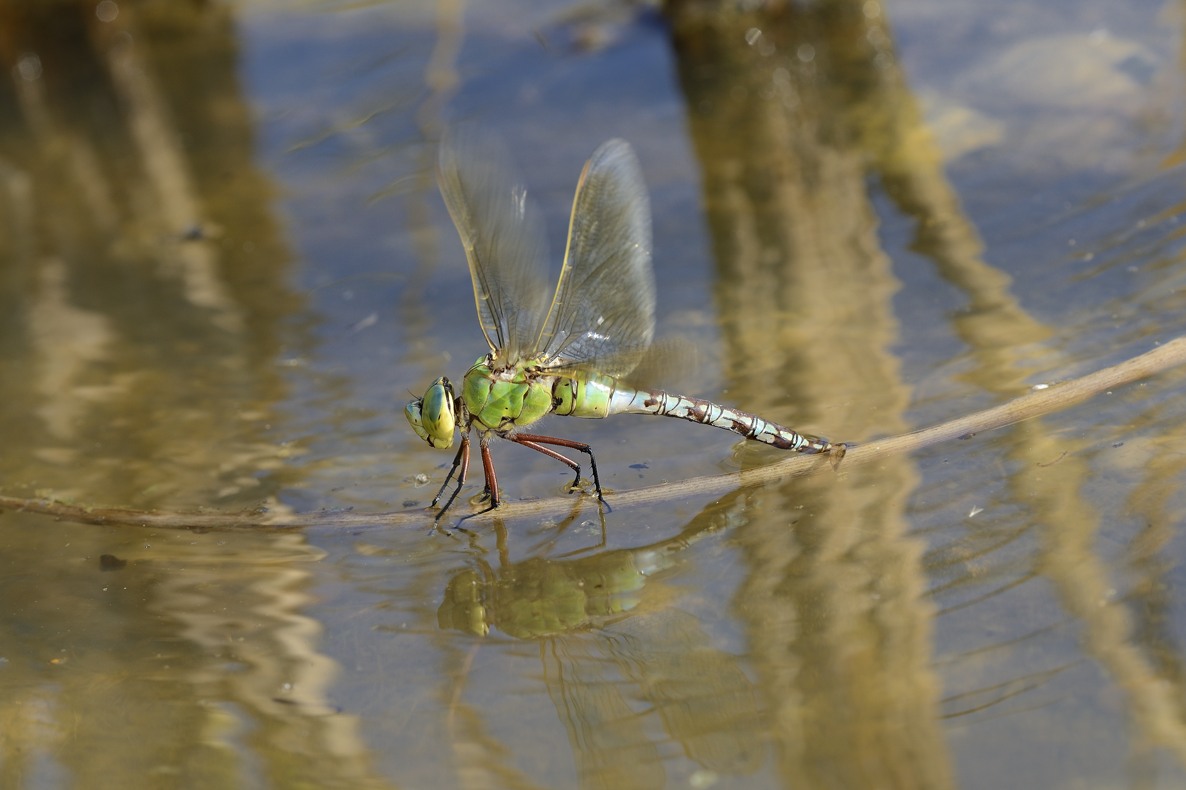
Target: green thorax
(503, 399)
(516, 397)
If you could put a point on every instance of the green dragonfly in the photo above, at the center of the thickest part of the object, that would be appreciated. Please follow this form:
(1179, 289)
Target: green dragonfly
(568, 355)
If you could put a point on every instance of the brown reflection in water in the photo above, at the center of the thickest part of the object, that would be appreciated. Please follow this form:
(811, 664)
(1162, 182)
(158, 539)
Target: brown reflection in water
(706, 703)
(1142, 660)
(1151, 599)
(142, 310)
(141, 276)
(791, 108)
(263, 672)
(192, 659)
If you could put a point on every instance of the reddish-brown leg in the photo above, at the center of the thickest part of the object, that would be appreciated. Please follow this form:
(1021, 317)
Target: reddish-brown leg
(535, 442)
(491, 491)
(488, 468)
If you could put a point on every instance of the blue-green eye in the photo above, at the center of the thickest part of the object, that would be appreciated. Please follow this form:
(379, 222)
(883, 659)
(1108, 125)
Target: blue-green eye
(433, 417)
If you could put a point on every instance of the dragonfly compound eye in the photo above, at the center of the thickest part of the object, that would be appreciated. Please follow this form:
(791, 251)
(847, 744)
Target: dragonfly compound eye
(437, 417)
(413, 412)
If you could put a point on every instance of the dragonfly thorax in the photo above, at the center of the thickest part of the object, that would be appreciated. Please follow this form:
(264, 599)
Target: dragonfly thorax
(503, 399)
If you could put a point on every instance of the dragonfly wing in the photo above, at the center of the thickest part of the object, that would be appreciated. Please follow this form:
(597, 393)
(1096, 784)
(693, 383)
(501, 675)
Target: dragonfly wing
(503, 239)
(602, 316)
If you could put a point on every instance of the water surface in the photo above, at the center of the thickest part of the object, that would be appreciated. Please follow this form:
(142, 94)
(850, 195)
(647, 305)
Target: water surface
(224, 267)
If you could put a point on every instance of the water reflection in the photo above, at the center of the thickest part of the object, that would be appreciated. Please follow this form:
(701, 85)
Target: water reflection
(145, 307)
(837, 634)
(143, 292)
(540, 597)
(178, 655)
(616, 654)
(790, 113)
(899, 625)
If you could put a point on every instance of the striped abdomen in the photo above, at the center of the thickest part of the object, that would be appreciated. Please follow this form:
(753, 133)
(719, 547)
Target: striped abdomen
(600, 396)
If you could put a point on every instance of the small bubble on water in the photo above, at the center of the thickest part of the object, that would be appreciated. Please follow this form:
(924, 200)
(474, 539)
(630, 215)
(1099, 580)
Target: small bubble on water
(107, 11)
(28, 67)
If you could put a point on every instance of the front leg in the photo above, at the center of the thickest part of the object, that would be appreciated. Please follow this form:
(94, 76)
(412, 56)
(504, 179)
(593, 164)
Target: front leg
(460, 460)
(491, 493)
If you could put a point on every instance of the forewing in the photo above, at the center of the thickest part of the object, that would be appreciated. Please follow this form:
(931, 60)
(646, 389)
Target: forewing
(603, 313)
(503, 240)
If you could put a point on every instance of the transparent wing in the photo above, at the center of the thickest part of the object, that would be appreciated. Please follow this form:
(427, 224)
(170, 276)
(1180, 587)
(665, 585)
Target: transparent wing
(503, 241)
(602, 316)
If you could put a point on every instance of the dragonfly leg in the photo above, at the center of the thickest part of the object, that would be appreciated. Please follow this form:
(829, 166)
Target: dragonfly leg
(838, 451)
(491, 492)
(488, 469)
(460, 460)
(536, 442)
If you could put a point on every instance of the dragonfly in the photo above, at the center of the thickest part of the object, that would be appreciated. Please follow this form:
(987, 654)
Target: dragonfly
(565, 350)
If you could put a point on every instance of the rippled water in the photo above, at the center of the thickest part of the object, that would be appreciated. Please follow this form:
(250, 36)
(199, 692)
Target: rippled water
(224, 267)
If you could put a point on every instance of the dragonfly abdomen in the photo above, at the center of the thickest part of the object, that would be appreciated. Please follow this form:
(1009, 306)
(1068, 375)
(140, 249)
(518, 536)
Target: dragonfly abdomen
(589, 396)
(708, 413)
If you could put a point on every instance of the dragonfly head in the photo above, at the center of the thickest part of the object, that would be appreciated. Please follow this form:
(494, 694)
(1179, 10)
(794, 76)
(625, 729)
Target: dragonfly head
(464, 608)
(434, 417)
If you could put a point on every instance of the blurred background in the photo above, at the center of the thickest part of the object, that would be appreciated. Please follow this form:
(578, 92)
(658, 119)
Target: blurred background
(225, 266)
